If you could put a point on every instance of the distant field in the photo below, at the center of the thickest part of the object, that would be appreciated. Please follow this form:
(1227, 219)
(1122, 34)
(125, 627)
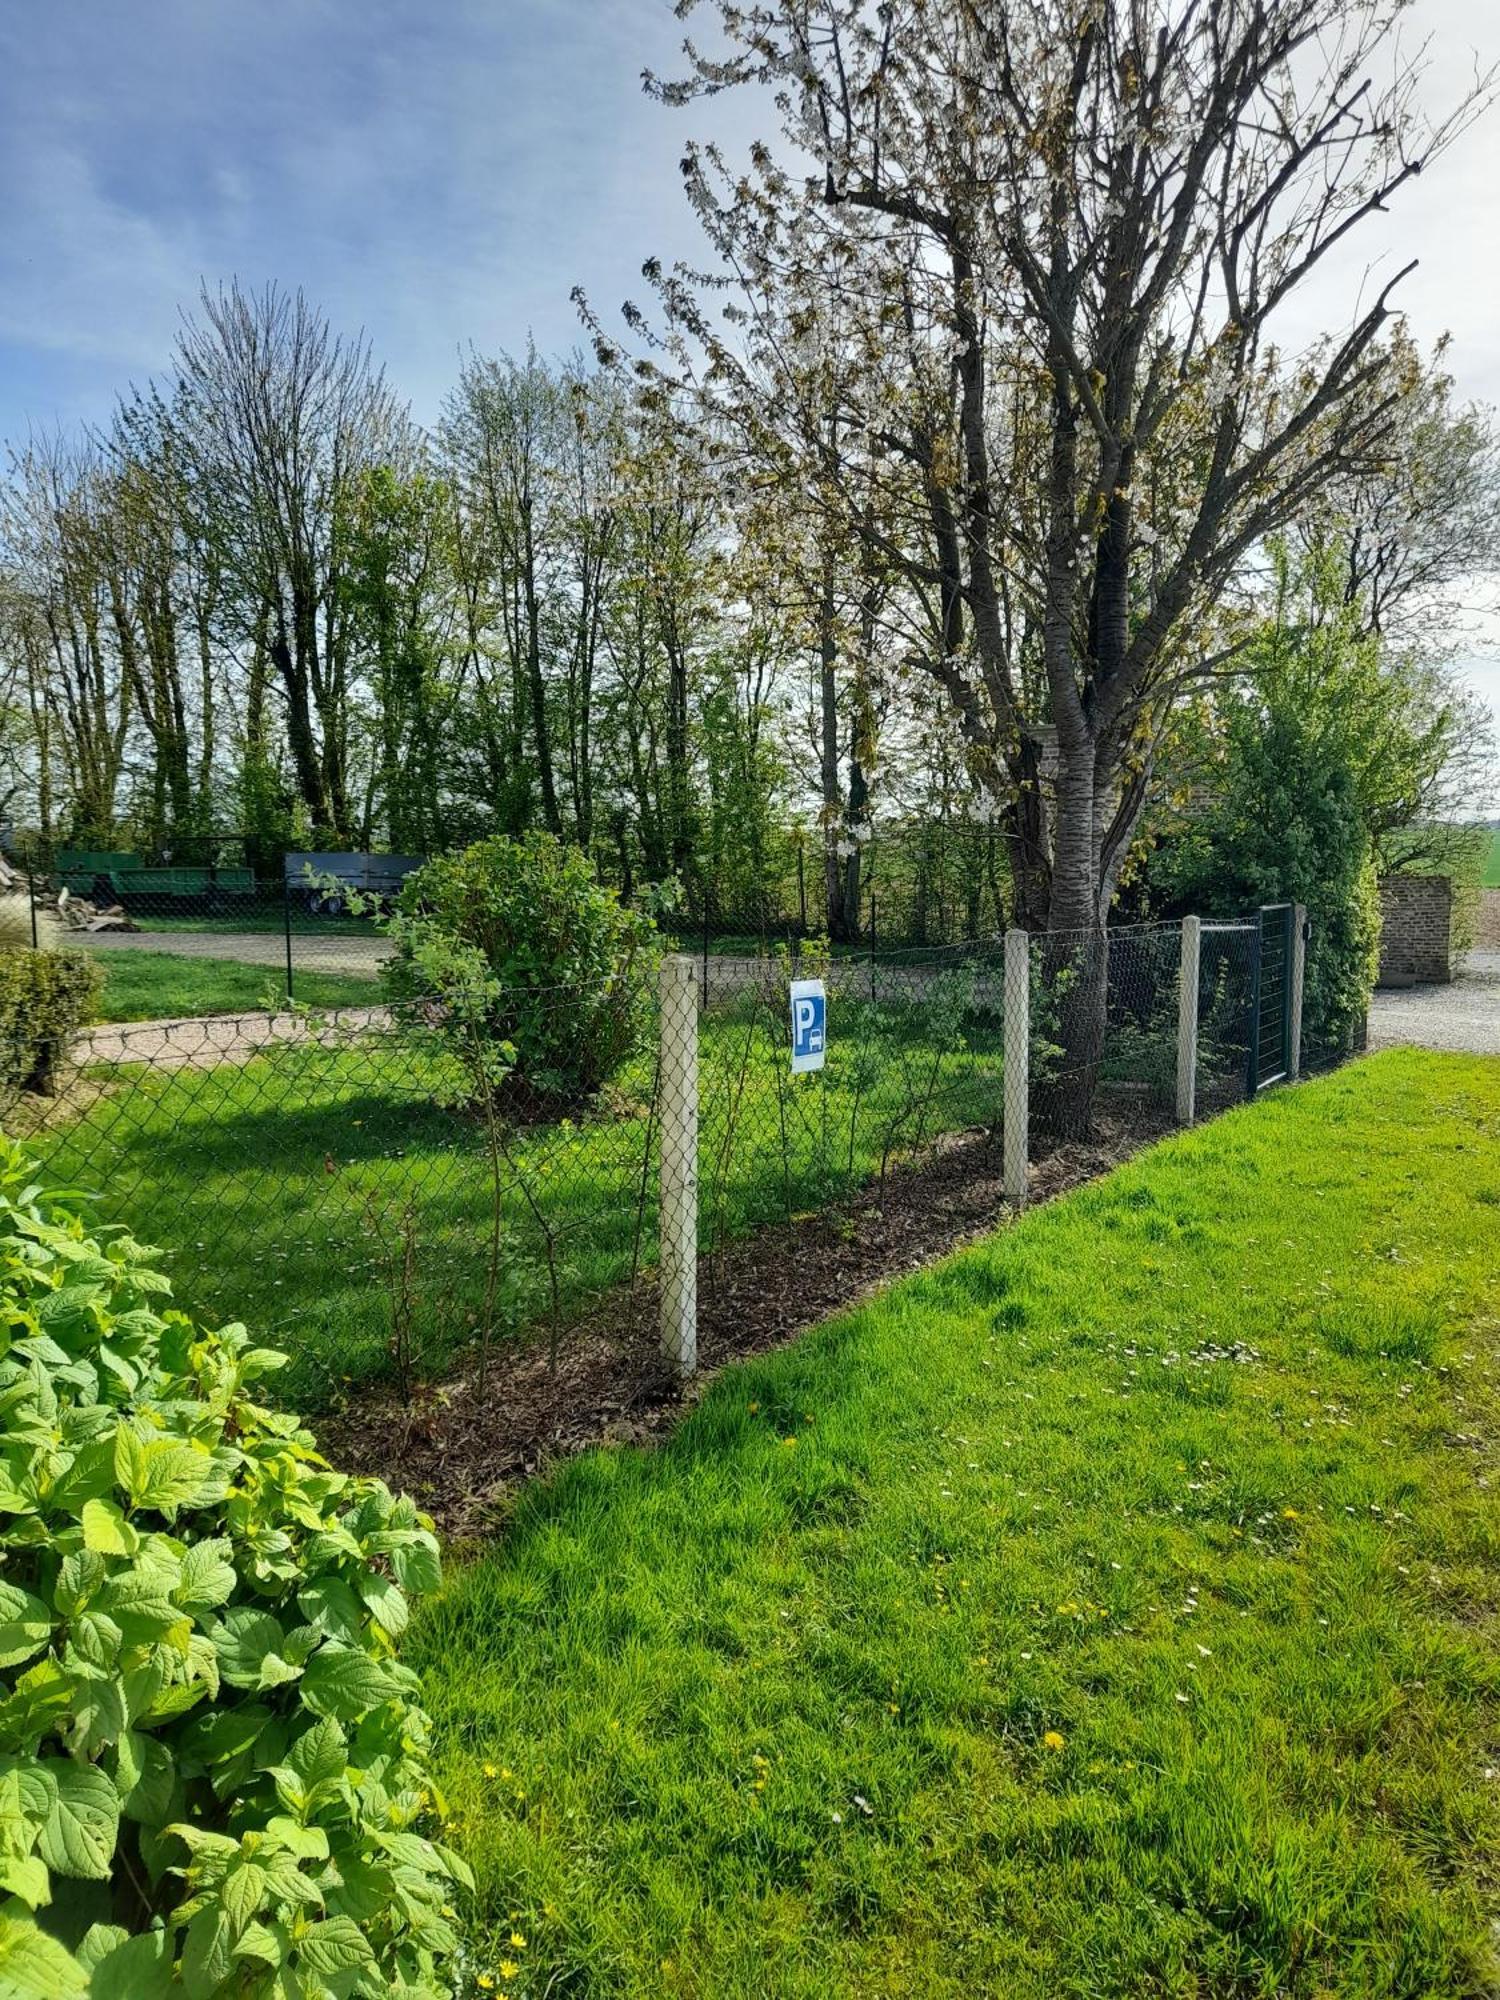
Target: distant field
(1492, 865)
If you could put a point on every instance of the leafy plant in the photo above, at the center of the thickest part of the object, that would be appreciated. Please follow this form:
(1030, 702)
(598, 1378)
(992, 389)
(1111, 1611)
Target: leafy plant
(45, 996)
(518, 939)
(212, 1764)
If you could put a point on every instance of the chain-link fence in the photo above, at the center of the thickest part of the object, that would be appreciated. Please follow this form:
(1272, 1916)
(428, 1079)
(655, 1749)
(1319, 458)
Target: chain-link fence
(380, 1194)
(211, 933)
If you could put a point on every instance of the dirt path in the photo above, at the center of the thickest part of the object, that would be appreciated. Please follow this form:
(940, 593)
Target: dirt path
(201, 1041)
(312, 951)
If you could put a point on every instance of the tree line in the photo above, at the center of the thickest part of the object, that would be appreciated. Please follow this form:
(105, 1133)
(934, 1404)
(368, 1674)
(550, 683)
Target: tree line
(963, 485)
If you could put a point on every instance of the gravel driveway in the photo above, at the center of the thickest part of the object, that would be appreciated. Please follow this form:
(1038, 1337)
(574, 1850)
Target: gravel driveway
(1463, 1016)
(313, 951)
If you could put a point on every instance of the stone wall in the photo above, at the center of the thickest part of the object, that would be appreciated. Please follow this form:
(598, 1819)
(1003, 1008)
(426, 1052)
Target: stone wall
(1487, 925)
(1416, 933)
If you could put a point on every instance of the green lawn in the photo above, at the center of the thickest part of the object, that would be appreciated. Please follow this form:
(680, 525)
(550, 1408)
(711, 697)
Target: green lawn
(1492, 865)
(1005, 1637)
(154, 985)
(279, 1187)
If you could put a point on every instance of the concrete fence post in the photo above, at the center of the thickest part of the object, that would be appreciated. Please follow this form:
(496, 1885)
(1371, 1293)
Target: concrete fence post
(677, 1124)
(1187, 1021)
(1017, 1064)
(1297, 969)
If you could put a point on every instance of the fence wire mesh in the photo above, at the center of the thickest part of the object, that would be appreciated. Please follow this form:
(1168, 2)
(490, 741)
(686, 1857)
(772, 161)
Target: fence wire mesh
(361, 1181)
(355, 1180)
(913, 1056)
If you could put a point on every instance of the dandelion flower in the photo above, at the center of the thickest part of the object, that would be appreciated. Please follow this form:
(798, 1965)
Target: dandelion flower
(517, 1942)
(1054, 1739)
(509, 1969)
(491, 1771)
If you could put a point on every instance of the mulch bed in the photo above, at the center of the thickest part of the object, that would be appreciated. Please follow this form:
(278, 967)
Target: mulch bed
(462, 1455)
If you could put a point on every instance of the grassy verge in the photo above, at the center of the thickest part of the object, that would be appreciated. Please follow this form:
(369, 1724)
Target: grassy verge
(157, 985)
(1492, 863)
(282, 1188)
(1111, 1611)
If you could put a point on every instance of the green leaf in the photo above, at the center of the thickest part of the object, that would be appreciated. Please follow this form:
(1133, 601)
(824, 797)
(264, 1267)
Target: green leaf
(78, 1836)
(90, 1477)
(208, 1577)
(319, 1753)
(208, 1954)
(307, 1843)
(98, 1709)
(40, 1698)
(242, 1892)
(175, 1476)
(386, 1604)
(98, 1941)
(34, 1966)
(130, 1461)
(78, 1579)
(257, 1942)
(106, 1530)
(242, 1641)
(150, 1800)
(417, 1566)
(336, 1945)
(344, 1682)
(25, 1625)
(140, 1968)
(26, 1876)
(331, 1607)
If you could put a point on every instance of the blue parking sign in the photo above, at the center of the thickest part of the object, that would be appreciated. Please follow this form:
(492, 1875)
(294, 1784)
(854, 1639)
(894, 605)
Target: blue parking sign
(809, 1025)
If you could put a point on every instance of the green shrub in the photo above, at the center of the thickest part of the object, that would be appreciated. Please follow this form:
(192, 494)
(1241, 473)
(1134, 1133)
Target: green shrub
(45, 996)
(530, 953)
(212, 1766)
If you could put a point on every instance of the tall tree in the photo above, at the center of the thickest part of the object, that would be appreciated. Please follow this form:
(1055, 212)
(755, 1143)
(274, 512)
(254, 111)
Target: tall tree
(279, 417)
(1064, 242)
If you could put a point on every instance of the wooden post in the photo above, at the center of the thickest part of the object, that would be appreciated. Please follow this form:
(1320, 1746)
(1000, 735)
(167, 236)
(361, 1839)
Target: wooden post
(1297, 970)
(678, 1126)
(1187, 1021)
(1017, 1064)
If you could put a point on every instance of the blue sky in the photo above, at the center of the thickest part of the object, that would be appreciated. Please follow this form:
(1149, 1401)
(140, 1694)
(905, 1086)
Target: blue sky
(436, 171)
(445, 171)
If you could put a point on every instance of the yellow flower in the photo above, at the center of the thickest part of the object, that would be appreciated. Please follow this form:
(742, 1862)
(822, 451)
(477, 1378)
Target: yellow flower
(517, 1942)
(490, 1771)
(485, 1981)
(1054, 1739)
(509, 1969)
(790, 1440)
(1290, 1514)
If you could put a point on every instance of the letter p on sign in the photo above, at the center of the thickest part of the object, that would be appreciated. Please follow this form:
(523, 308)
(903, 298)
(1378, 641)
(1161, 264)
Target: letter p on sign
(809, 1025)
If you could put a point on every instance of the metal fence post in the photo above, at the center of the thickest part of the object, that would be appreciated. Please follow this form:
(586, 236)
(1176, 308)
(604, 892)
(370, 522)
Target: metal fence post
(1252, 1039)
(1298, 968)
(286, 921)
(678, 1127)
(1187, 1020)
(1017, 1063)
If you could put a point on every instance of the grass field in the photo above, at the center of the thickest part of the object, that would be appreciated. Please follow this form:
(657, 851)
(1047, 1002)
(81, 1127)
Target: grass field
(278, 1186)
(1492, 864)
(1110, 1612)
(155, 985)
